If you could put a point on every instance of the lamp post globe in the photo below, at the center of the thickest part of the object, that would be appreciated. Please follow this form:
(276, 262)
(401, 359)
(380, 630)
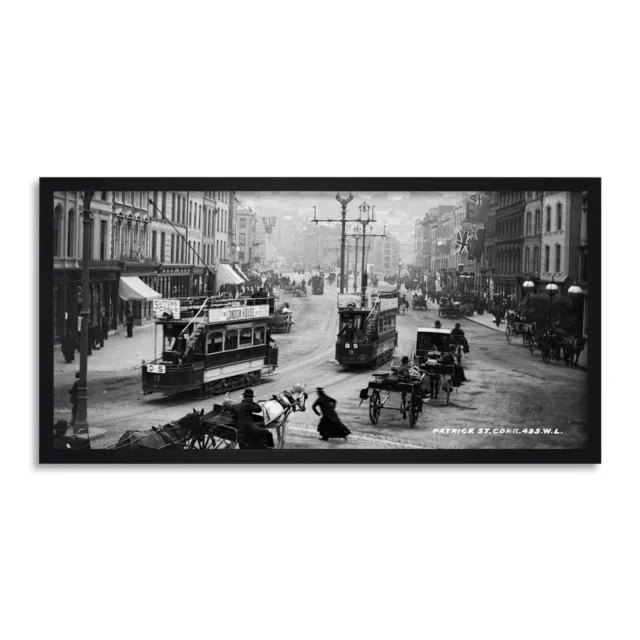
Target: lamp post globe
(575, 290)
(552, 289)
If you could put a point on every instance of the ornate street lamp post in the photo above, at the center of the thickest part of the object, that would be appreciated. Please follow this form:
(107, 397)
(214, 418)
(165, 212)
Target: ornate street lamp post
(344, 198)
(528, 287)
(551, 290)
(575, 292)
(81, 425)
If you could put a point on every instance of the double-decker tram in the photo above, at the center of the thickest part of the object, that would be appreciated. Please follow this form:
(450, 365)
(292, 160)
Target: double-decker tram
(367, 333)
(210, 345)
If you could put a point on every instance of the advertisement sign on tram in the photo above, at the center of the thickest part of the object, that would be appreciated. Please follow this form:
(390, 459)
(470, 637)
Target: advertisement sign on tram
(238, 313)
(345, 299)
(166, 305)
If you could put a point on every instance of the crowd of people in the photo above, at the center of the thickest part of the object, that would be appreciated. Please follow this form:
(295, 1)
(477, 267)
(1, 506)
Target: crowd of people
(98, 334)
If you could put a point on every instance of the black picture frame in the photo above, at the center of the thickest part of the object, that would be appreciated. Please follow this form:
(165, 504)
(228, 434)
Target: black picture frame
(590, 454)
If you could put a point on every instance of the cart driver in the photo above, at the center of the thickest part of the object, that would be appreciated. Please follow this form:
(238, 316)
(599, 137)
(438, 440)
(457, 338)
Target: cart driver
(437, 325)
(457, 332)
(349, 331)
(404, 370)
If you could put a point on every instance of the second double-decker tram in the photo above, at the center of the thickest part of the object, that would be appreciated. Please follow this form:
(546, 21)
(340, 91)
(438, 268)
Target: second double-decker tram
(210, 345)
(367, 333)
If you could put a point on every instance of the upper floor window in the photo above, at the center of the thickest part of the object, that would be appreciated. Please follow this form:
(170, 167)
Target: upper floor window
(559, 216)
(243, 223)
(526, 259)
(537, 221)
(547, 252)
(558, 267)
(528, 227)
(548, 220)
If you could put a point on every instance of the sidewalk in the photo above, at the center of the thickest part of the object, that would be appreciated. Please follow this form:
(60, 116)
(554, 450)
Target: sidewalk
(119, 353)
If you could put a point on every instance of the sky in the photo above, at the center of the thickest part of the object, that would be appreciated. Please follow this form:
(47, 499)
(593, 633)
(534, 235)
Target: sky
(275, 203)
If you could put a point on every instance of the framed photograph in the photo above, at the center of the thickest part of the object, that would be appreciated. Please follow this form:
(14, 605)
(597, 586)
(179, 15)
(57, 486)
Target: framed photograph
(320, 320)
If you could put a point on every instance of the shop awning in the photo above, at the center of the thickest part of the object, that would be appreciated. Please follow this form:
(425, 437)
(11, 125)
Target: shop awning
(132, 288)
(240, 272)
(226, 275)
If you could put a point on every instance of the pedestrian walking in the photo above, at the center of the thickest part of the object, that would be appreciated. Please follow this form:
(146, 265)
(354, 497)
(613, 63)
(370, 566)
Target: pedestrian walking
(129, 324)
(59, 435)
(69, 347)
(73, 392)
(104, 320)
(330, 425)
(98, 336)
(91, 338)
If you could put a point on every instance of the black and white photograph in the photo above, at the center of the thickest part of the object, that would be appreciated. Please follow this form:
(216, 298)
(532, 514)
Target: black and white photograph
(268, 320)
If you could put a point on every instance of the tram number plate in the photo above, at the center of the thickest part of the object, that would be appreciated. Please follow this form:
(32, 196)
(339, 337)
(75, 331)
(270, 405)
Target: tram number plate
(156, 368)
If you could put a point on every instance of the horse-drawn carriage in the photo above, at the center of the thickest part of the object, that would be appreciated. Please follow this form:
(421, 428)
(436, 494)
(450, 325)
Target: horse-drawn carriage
(410, 396)
(283, 319)
(431, 356)
(516, 326)
(449, 308)
(299, 291)
(217, 429)
(419, 303)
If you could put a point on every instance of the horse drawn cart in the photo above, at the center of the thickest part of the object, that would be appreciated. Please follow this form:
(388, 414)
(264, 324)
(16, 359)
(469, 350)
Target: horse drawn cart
(299, 291)
(218, 429)
(518, 327)
(283, 319)
(449, 309)
(384, 385)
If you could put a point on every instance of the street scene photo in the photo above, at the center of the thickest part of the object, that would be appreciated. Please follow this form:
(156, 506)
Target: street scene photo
(320, 320)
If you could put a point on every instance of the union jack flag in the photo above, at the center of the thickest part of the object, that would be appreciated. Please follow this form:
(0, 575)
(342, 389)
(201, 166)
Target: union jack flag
(269, 224)
(463, 239)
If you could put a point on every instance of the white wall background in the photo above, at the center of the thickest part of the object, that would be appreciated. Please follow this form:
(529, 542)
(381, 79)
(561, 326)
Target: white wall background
(336, 88)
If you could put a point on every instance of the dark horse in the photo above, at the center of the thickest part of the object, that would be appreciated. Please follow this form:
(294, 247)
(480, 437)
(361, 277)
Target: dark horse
(172, 435)
(572, 348)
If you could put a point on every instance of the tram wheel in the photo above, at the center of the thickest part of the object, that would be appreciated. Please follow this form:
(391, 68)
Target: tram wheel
(375, 404)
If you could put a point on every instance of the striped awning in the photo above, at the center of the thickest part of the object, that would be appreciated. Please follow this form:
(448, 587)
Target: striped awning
(132, 288)
(240, 272)
(226, 275)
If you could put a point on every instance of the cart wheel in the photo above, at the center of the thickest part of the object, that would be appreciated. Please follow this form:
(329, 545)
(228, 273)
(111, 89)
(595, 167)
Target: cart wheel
(203, 441)
(374, 406)
(289, 328)
(507, 334)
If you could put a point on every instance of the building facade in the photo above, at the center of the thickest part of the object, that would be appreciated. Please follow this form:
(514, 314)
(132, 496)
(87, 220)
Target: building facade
(532, 225)
(509, 242)
(134, 234)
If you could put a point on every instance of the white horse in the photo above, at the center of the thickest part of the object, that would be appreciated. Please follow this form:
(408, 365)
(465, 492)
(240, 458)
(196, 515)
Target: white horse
(219, 429)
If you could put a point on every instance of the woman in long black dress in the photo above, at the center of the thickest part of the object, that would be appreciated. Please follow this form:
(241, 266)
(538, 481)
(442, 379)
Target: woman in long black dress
(330, 425)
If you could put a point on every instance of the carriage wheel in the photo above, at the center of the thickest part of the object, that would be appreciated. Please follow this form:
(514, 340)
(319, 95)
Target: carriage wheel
(288, 327)
(507, 334)
(202, 441)
(413, 413)
(375, 405)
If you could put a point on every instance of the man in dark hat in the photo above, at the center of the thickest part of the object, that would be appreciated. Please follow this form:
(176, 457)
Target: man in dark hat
(255, 436)
(437, 325)
(73, 392)
(330, 425)
(59, 435)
